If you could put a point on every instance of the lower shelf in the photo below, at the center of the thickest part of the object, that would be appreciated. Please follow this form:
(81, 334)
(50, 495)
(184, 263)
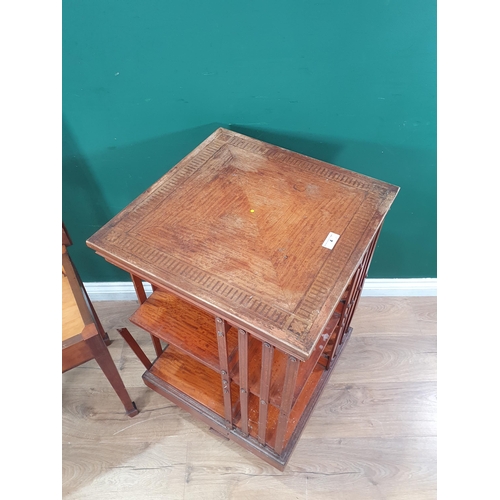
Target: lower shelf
(273, 412)
(194, 379)
(198, 390)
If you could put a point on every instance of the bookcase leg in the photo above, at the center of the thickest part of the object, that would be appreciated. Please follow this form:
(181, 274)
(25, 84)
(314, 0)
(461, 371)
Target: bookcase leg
(105, 361)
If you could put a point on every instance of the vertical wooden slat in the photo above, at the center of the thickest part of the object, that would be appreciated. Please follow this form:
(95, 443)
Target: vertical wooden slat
(332, 350)
(357, 285)
(364, 269)
(243, 369)
(369, 256)
(344, 317)
(353, 294)
(292, 368)
(141, 296)
(354, 284)
(222, 328)
(265, 382)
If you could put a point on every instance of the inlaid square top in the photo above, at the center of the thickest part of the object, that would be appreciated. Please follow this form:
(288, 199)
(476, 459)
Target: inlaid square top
(238, 228)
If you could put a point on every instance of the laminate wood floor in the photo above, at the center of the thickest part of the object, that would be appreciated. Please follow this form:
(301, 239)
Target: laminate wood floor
(372, 434)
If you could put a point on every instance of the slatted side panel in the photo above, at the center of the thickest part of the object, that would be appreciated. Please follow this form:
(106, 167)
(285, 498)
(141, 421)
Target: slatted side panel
(359, 286)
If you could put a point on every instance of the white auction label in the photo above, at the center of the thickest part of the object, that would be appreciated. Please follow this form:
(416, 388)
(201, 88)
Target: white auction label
(330, 241)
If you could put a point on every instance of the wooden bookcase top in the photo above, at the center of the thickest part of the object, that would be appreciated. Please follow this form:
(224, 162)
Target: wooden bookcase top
(237, 228)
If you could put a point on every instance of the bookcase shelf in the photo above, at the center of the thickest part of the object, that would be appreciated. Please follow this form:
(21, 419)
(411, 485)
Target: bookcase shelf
(187, 327)
(194, 379)
(202, 385)
(192, 331)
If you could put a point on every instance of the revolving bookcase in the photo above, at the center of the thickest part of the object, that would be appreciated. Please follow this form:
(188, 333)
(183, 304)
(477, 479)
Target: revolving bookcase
(257, 257)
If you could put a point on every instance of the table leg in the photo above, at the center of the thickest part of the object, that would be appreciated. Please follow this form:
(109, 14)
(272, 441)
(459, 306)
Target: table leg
(105, 361)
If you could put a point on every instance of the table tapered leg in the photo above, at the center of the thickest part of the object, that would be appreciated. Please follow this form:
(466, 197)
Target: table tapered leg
(105, 361)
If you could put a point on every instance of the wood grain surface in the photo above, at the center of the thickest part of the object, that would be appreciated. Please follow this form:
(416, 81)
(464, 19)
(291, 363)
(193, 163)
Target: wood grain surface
(372, 434)
(183, 325)
(238, 226)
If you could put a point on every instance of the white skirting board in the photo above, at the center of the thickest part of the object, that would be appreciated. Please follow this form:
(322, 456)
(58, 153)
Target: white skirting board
(406, 287)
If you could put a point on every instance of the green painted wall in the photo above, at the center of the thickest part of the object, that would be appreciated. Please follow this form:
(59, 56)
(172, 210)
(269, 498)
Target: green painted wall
(351, 83)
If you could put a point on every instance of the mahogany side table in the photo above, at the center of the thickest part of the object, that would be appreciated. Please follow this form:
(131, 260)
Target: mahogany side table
(257, 256)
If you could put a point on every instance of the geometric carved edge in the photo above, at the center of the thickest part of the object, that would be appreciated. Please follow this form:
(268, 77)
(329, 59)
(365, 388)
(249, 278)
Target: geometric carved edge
(208, 282)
